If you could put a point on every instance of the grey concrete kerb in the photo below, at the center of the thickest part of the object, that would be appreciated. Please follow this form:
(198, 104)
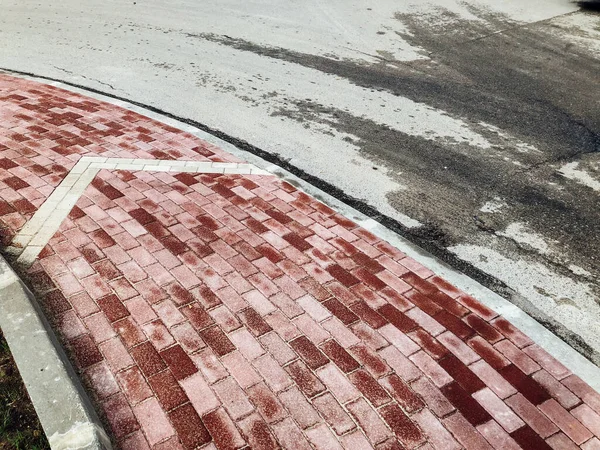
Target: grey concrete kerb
(66, 413)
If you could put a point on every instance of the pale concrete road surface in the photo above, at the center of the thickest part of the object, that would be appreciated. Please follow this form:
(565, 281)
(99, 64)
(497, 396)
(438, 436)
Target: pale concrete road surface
(474, 125)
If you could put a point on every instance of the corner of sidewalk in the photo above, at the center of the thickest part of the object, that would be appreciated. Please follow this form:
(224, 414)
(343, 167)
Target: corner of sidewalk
(65, 412)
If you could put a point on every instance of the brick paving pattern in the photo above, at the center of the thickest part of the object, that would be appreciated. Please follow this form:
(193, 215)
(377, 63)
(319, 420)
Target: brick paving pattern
(233, 311)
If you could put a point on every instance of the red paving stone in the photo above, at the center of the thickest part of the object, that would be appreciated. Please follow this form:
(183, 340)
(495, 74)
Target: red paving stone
(223, 311)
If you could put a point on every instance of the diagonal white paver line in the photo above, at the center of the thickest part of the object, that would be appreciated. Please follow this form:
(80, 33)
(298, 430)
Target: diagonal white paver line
(33, 237)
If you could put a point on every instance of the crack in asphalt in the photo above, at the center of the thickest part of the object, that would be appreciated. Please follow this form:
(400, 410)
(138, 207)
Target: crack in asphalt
(101, 82)
(83, 76)
(560, 267)
(515, 27)
(63, 70)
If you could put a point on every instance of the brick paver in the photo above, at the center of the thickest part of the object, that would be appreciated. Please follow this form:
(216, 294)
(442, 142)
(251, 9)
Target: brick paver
(224, 311)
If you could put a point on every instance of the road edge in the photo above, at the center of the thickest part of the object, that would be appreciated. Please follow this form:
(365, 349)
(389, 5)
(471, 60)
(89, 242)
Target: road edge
(419, 236)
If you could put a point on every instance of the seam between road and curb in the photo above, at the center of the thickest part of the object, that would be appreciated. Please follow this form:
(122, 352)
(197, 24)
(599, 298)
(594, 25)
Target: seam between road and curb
(65, 411)
(384, 227)
(327, 192)
(247, 151)
(416, 235)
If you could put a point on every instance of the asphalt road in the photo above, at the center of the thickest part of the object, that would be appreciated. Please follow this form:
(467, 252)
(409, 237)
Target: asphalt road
(473, 128)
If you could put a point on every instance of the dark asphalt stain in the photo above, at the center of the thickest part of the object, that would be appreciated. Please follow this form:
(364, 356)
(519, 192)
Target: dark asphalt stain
(523, 79)
(443, 178)
(590, 5)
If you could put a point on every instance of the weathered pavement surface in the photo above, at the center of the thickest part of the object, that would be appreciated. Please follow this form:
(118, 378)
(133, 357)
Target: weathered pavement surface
(473, 126)
(208, 304)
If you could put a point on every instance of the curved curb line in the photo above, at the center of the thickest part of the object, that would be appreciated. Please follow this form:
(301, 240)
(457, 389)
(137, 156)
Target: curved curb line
(553, 344)
(65, 412)
(325, 191)
(557, 347)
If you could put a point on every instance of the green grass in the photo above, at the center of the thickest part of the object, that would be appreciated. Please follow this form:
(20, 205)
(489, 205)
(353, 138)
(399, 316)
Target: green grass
(20, 428)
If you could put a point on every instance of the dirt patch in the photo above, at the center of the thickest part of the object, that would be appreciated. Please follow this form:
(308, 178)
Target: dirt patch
(20, 428)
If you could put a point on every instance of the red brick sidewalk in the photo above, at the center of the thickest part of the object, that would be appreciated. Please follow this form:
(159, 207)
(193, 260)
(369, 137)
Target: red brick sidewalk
(224, 311)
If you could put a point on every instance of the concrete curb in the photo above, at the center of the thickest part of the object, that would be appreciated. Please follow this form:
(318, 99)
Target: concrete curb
(65, 412)
(323, 190)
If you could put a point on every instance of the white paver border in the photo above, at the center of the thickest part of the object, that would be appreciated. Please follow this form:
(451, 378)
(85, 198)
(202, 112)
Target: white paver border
(37, 232)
